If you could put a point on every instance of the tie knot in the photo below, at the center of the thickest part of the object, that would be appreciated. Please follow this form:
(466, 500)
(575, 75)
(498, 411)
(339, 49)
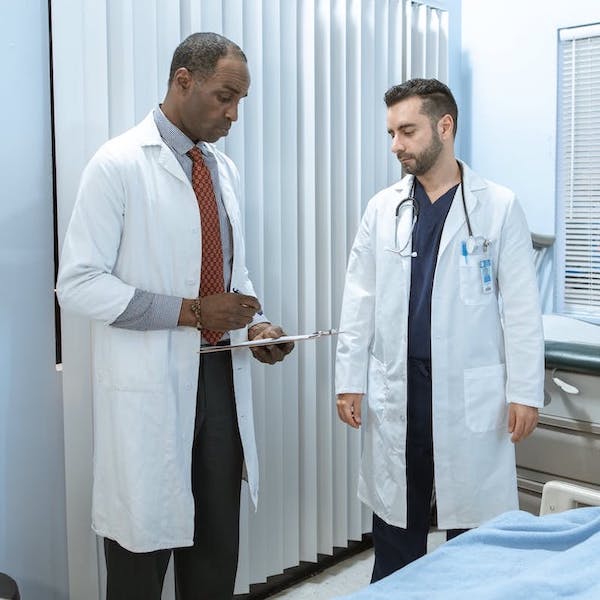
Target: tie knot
(195, 154)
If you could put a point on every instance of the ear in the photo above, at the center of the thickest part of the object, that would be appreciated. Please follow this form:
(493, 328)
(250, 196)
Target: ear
(183, 79)
(446, 127)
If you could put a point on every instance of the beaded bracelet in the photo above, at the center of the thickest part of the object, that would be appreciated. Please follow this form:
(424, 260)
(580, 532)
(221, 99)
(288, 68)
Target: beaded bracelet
(196, 309)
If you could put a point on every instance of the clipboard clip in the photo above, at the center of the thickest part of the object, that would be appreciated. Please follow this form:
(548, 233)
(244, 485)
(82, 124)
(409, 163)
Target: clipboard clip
(322, 332)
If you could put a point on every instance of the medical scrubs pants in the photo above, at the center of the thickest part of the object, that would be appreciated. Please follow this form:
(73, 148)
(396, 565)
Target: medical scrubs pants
(394, 546)
(207, 569)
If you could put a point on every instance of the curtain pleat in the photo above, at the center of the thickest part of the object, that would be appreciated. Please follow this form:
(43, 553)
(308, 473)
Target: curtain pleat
(311, 146)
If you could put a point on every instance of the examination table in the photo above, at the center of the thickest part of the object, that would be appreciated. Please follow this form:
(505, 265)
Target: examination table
(566, 443)
(516, 556)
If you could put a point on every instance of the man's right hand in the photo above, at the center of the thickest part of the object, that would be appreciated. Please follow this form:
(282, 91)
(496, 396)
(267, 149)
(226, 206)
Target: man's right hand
(348, 407)
(221, 312)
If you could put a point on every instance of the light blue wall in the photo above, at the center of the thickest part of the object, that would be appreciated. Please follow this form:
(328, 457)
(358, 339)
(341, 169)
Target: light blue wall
(32, 483)
(509, 80)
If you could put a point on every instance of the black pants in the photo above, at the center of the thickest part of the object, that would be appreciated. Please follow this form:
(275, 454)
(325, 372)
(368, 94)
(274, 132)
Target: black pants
(208, 568)
(394, 546)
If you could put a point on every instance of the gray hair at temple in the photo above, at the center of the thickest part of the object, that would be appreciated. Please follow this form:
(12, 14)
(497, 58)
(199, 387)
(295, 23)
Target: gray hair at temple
(200, 53)
(437, 98)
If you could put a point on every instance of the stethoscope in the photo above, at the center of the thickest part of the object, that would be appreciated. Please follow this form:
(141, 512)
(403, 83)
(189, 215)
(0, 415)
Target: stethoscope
(472, 242)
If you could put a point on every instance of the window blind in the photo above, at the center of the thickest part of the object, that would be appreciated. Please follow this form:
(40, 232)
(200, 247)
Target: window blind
(311, 146)
(578, 172)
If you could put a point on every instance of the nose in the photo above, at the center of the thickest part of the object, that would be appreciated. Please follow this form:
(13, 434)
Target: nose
(397, 145)
(232, 112)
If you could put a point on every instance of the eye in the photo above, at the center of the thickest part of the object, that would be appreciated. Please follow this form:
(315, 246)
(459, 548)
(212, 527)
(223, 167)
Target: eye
(224, 99)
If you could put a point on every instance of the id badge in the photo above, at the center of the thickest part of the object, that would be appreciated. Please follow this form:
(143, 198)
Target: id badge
(485, 271)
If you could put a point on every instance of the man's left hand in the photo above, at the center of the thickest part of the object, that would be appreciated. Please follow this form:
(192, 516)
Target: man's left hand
(522, 420)
(273, 352)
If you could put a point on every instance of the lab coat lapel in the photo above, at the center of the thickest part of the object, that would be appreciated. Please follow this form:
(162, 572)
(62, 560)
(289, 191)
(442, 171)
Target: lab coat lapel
(405, 215)
(149, 136)
(231, 203)
(227, 192)
(167, 160)
(455, 221)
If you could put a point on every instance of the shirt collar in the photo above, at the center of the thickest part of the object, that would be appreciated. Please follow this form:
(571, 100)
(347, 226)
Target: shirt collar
(174, 137)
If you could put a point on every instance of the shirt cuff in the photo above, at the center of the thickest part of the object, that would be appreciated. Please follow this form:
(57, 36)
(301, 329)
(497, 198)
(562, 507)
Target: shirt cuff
(258, 318)
(147, 311)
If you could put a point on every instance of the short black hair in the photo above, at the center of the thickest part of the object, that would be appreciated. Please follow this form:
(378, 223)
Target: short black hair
(200, 52)
(437, 98)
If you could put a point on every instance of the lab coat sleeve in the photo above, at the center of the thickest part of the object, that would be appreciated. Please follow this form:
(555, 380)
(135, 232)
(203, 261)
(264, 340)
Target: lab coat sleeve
(357, 320)
(85, 283)
(522, 320)
(248, 289)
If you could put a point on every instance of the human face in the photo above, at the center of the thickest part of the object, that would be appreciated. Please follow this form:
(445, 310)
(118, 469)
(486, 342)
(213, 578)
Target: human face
(415, 142)
(209, 106)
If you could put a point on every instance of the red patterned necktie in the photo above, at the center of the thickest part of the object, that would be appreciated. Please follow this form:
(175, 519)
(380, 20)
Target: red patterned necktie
(211, 276)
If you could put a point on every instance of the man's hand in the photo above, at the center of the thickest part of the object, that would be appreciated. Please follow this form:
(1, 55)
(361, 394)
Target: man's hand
(522, 420)
(221, 312)
(273, 352)
(348, 407)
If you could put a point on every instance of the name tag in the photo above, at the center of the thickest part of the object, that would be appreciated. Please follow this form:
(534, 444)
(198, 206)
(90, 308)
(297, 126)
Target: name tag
(485, 271)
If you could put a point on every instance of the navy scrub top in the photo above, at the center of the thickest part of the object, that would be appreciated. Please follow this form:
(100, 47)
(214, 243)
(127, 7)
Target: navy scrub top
(426, 237)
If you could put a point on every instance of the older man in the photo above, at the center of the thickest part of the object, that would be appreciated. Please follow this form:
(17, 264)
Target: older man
(154, 255)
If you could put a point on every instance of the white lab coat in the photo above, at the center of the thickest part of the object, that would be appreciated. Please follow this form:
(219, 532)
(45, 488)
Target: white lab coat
(136, 224)
(486, 351)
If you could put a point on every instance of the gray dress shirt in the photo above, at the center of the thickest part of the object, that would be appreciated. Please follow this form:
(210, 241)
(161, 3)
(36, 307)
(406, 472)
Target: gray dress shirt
(147, 310)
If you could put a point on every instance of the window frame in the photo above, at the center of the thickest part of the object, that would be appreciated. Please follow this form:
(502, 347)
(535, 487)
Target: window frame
(568, 177)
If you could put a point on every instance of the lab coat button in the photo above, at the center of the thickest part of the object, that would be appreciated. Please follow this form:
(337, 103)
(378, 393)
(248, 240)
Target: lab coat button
(188, 386)
(190, 281)
(402, 418)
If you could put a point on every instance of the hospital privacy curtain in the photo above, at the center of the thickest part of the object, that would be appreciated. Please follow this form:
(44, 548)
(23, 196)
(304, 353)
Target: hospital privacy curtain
(578, 172)
(311, 146)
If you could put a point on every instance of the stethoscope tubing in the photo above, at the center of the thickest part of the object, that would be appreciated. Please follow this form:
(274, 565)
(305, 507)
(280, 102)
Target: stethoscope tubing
(411, 200)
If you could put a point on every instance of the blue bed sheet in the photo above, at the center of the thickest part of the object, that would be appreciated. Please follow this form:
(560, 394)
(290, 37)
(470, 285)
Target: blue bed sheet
(514, 556)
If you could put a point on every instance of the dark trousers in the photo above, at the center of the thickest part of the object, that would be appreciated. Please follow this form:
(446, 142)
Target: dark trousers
(208, 568)
(394, 546)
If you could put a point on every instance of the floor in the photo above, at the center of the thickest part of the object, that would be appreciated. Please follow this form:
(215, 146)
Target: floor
(346, 577)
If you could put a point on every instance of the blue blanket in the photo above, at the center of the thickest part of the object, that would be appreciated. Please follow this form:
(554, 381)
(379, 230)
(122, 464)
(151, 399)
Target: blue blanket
(514, 556)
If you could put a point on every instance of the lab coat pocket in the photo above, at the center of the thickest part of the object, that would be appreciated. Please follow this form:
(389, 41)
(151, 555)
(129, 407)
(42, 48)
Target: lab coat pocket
(485, 398)
(471, 290)
(377, 390)
(134, 361)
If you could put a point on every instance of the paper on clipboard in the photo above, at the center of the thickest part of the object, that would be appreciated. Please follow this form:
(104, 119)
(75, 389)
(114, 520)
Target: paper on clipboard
(269, 341)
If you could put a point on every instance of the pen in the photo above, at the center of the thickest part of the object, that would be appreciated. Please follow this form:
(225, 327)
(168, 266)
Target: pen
(236, 291)
(464, 252)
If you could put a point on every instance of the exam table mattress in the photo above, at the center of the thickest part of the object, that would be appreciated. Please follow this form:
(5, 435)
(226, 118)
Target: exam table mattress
(515, 556)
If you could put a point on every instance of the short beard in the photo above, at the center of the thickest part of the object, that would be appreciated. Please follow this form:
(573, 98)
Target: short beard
(427, 158)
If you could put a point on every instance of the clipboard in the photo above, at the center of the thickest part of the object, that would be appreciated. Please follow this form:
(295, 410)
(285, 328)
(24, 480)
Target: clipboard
(270, 341)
